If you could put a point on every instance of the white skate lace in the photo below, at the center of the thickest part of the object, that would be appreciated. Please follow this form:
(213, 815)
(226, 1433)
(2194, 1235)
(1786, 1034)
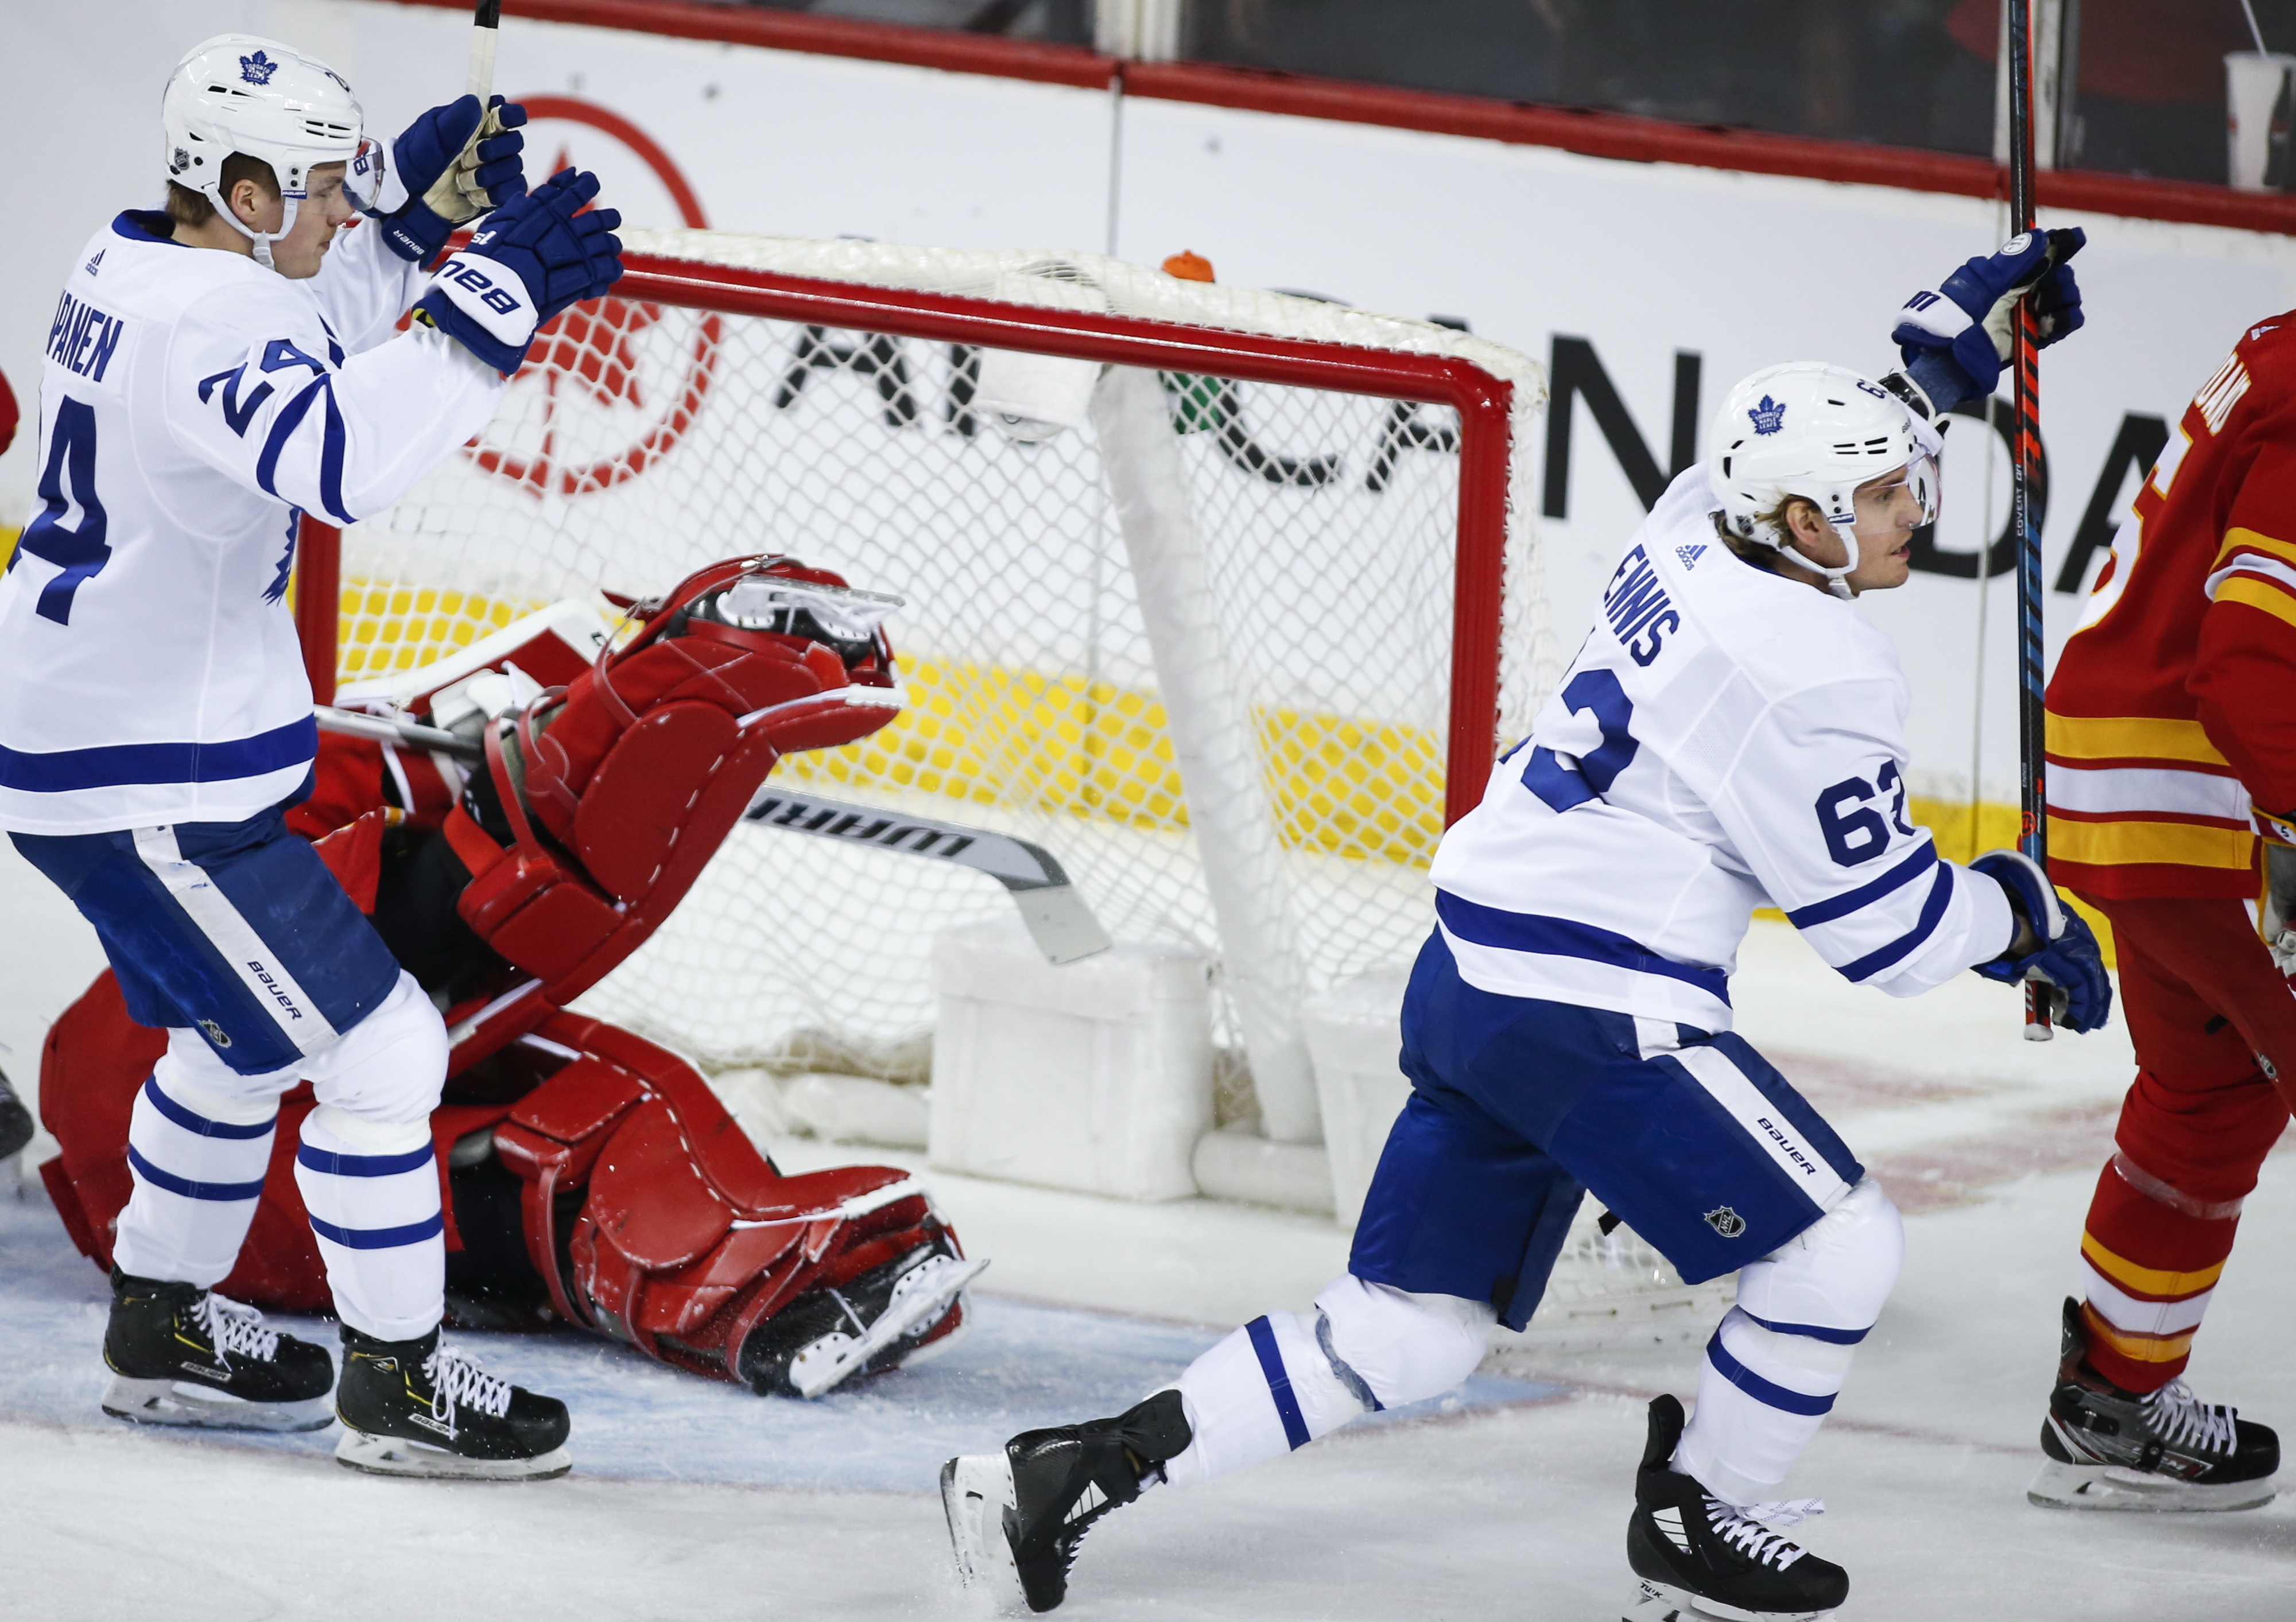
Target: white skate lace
(2182, 1420)
(457, 1382)
(234, 1328)
(1742, 1528)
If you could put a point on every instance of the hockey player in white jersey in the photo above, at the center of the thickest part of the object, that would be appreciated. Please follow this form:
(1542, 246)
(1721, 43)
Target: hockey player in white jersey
(212, 372)
(1730, 736)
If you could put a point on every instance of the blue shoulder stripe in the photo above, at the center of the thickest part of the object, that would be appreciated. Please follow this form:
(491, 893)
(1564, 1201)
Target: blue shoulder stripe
(1837, 907)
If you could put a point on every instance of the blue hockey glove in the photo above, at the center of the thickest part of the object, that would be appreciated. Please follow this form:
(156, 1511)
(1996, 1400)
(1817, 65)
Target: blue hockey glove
(2075, 987)
(449, 166)
(1955, 341)
(536, 256)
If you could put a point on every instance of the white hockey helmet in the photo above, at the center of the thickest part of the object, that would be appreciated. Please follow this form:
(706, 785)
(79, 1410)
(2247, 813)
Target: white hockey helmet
(241, 93)
(1818, 431)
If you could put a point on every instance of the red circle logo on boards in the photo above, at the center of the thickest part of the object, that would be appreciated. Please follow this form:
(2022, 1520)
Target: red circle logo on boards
(614, 399)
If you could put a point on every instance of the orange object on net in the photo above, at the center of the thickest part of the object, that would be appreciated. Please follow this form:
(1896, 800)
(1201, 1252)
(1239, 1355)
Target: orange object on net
(1189, 266)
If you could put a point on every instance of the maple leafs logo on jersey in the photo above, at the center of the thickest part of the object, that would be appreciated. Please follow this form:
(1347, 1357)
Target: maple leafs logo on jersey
(257, 69)
(1769, 416)
(1690, 555)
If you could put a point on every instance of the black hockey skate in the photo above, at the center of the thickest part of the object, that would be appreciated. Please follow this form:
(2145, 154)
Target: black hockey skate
(1698, 1557)
(415, 1408)
(870, 1325)
(2165, 1450)
(1015, 1518)
(15, 1120)
(182, 1356)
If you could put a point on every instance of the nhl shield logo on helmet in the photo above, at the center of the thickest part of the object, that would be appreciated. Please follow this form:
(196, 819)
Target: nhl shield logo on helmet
(1769, 417)
(257, 69)
(1726, 1221)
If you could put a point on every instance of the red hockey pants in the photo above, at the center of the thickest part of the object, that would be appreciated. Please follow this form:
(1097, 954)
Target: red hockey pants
(2213, 1022)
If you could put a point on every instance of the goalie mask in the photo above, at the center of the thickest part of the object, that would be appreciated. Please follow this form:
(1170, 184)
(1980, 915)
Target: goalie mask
(1816, 431)
(240, 92)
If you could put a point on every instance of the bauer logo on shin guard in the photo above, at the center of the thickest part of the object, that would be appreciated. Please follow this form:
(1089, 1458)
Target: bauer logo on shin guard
(1726, 1222)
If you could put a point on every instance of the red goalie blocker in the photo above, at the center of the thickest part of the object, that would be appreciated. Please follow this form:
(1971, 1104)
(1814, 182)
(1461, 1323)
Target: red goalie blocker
(590, 1175)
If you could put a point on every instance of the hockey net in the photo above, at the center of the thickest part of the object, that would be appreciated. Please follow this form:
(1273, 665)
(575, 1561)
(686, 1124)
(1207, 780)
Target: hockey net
(1354, 617)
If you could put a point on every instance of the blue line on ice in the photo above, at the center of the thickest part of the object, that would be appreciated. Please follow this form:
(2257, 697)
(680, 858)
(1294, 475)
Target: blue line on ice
(1021, 1366)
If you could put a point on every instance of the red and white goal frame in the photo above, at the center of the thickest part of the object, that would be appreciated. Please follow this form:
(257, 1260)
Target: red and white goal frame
(1324, 450)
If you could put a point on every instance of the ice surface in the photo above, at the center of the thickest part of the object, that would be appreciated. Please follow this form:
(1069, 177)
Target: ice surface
(691, 1499)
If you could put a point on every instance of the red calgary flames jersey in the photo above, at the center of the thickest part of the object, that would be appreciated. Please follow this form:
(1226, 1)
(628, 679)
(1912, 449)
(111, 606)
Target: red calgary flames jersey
(2173, 706)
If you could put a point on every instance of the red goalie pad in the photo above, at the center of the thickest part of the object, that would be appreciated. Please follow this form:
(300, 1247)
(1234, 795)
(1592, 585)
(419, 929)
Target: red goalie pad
(614, 791)
(652, 1219)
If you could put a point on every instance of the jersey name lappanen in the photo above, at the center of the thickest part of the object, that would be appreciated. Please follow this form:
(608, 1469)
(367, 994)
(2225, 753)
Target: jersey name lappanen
(1725, 738)
(193, 406)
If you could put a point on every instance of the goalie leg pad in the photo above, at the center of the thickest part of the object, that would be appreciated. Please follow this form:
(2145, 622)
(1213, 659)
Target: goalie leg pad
(640, 769)
(688, 1244)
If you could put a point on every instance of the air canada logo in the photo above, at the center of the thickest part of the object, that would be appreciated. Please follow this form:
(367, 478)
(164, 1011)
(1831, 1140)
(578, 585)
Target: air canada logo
(257, 69)
(611, 386)
(1726, 1222)
(1769, 417)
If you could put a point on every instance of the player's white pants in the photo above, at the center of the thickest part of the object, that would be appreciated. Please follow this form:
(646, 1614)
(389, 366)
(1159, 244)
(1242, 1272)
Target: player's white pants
(1281, 1380)
(1776, 1362)
(199, 1141)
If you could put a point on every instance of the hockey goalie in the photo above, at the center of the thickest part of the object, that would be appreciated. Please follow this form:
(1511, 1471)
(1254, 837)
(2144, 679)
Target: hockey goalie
(566, 789)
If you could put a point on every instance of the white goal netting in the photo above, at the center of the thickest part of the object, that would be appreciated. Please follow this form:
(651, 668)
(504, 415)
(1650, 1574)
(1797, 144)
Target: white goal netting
(652, 439)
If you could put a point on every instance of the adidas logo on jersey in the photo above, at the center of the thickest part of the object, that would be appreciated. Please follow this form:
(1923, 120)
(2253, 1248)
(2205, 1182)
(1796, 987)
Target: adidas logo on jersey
(91, 266)
(1690, 555)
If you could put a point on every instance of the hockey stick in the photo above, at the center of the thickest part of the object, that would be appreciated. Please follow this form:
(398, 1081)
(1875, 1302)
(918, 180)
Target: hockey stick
(434, 740)
(486, 23)
(2024, 462)
(1058, 920)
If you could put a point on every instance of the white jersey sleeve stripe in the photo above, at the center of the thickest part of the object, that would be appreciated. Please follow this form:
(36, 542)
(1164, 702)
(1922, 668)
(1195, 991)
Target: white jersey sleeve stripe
(1932, 911)
(1850, 901)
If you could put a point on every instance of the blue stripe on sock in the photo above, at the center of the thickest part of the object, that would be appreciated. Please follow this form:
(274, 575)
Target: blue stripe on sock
(1279, 1383)
(188, 1189)
(365, 1165)
(1762, 1390)
(380, 1239)
(192, 1122)
(1816, 1331)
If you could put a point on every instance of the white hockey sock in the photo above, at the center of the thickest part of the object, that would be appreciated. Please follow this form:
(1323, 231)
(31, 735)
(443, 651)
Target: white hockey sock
(372, 1188)
(1762, 1395)
(1261, 1392)
(197, 1159)
(1282, 1380)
